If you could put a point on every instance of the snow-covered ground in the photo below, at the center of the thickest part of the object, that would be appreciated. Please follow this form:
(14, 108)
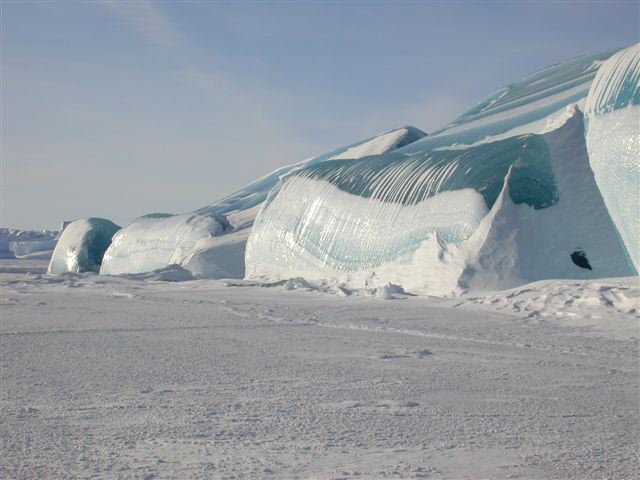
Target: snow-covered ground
(119, 377)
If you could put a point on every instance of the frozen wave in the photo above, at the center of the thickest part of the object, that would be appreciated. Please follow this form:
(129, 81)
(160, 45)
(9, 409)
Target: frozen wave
(613, 138)
(82, 245)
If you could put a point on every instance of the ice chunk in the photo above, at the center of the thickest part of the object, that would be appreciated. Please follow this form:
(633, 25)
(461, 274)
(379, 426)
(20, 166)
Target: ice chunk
(612, 120)
(82, 245)
(155, 241)
(27, 242)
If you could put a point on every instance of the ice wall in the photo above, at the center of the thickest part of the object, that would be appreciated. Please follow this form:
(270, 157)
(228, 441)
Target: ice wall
(612, 123)
(81, 246)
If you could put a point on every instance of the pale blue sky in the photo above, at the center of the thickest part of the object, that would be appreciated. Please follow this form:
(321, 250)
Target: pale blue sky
(120, 109)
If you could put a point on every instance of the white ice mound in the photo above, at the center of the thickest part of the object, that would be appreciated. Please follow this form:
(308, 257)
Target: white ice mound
(210, 243)
(82, 245)
(612, 119)
(155, 241)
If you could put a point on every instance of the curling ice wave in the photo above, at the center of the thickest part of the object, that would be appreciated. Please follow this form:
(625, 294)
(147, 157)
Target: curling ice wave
(613, 139)
(81, 246)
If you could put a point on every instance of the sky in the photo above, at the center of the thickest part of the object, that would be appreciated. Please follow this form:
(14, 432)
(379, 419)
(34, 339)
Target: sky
(119, 109)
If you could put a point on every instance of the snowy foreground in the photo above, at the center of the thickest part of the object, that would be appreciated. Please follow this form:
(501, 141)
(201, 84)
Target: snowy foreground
(115, 377)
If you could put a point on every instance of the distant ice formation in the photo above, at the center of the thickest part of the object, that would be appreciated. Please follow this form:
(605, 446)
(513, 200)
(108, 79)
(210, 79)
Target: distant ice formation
(540, 180)
(82, 245)
(26, 243)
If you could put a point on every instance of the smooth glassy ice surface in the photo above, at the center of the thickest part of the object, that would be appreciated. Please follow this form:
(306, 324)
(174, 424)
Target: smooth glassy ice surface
(81, 246)
(612, 120)
(155, 241)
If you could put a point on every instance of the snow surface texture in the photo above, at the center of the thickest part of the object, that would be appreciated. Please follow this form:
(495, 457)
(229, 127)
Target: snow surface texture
(146, 379)
(82, 245)
(210, 243)
(25, 243)
(613, 140)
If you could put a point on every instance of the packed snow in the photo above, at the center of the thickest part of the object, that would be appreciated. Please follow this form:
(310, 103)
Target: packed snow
(122, 377)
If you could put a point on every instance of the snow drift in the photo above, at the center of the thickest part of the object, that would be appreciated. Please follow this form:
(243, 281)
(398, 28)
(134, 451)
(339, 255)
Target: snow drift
(82, 245)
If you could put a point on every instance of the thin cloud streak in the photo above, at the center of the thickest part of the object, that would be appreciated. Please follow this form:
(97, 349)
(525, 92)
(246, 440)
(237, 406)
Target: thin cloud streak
(143, 17)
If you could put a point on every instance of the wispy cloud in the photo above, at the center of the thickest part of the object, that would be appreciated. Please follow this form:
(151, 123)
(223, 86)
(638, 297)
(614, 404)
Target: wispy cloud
(147, 20)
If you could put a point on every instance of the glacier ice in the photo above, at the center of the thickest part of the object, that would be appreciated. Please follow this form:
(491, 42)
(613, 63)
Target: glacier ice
(612, 120)
(210, 242)
(81, 246)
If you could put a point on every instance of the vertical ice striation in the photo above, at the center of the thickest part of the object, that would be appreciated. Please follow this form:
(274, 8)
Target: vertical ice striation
(256, 192)
(612, 121)
(346, 216)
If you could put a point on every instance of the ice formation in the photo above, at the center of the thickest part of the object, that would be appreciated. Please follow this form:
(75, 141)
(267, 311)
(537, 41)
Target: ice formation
(492, 215)
(612, 120)
(210, 242)
(82, 245)
(26, 243)
(502, 196)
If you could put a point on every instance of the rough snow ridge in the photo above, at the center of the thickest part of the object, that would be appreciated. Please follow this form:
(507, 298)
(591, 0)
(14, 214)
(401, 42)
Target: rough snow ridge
(377, 146)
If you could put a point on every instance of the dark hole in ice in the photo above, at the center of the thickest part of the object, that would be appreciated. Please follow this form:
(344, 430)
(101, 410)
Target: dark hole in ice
(580, 259)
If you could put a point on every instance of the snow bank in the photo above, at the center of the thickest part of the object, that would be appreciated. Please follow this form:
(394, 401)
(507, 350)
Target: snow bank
(82, 245)
(611, 305)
